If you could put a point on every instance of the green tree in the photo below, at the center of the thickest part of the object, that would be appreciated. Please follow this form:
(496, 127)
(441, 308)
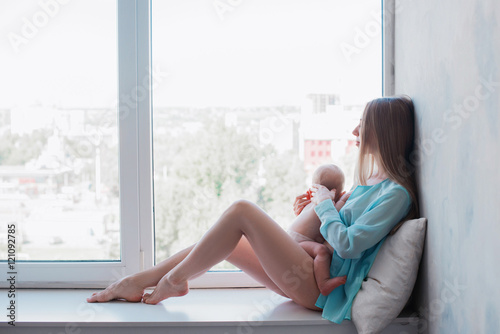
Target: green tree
(18, 149)
(285, 178)
(208, 170)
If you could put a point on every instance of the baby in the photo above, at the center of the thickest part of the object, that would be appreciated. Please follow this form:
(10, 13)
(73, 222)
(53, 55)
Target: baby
(305, 229)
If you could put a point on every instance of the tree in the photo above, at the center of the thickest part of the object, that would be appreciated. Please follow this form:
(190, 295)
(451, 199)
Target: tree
(285, 178)
(18, 149)
(209, 169)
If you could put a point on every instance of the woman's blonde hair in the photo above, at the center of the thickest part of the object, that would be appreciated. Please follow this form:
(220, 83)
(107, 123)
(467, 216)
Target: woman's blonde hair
(387, 130)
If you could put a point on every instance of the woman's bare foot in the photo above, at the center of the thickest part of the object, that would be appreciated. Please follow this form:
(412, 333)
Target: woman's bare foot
(327, 286)
(166, 289)
(127, 288)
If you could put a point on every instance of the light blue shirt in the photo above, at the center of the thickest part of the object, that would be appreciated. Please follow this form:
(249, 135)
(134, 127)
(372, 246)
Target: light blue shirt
(356, 234)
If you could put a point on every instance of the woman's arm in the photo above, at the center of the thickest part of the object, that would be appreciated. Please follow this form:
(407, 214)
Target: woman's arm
(374, 224)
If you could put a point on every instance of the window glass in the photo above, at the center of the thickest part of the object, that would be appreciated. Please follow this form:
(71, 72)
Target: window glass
(58, 130)
(251, 88)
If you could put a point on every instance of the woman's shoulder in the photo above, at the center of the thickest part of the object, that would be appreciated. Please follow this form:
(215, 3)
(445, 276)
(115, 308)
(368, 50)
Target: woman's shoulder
(392, 188)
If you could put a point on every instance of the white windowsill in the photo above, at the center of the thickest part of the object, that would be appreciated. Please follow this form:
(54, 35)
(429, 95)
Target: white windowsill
(254, 310)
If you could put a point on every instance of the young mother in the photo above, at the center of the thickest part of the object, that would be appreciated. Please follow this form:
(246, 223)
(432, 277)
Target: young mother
(248, 238)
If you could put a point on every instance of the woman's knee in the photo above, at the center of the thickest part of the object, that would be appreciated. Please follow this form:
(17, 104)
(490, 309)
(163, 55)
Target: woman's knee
(241, 207)
(242, 203)
(248, 214)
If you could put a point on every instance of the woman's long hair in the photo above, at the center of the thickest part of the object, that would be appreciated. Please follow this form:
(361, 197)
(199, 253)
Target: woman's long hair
(387, 128)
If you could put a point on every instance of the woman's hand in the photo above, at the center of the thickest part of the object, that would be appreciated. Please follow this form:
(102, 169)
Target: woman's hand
(343, 198)
(300, 203)
(321, 193)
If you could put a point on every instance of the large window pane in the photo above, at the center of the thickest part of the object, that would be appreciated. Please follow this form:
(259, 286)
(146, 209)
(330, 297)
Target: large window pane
(258, 94)
(58, 129)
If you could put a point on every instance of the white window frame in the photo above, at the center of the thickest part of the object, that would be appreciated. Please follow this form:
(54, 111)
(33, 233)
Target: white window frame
(136, 164)
(388, 56)
(136, 201)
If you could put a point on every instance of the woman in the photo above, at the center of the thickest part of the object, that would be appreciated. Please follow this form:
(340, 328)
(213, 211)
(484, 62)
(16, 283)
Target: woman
(248, 238)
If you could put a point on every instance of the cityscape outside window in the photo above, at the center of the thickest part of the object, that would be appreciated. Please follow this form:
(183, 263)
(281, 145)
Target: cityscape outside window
(58, 130)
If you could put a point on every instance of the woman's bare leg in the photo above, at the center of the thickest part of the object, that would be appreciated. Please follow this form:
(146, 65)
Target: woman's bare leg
(243, 257)
(284, 261)
(322, 261)
(132, 287)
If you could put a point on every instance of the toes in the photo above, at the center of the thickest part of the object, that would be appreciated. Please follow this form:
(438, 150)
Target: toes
(92, 299)
(150, 300)
(100, 297)
(105, 296)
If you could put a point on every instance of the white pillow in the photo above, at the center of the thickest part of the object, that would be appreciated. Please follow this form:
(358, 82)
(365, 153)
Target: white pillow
(390, 281)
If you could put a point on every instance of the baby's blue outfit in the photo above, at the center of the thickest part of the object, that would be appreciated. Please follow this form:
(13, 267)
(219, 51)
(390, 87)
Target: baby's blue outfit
(356, 234)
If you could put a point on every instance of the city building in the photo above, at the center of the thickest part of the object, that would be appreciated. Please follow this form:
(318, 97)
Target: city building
(326, 144)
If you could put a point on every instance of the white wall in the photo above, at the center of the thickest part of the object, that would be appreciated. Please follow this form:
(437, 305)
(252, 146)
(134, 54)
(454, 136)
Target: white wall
(447, 58)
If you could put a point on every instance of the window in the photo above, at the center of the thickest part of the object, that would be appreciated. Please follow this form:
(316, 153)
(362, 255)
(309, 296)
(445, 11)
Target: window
(251, 89)
(242, 92)
(68, 141)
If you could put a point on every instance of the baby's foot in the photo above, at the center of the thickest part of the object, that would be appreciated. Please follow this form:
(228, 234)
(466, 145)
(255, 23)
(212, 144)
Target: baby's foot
(126, 288)
(166, 289)
(327, 286)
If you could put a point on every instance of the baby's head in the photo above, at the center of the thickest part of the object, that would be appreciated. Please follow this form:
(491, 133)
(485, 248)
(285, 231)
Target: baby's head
(330, 176)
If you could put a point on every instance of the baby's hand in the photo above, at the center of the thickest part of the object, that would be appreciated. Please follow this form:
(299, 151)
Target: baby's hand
(321, 193)
(300, 203)
(309, 194)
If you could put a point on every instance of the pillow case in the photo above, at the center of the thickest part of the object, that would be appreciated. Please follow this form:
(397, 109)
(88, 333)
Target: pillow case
(390, 280)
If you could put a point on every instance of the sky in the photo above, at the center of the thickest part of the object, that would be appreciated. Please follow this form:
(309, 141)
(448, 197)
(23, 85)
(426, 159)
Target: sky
(214, 53)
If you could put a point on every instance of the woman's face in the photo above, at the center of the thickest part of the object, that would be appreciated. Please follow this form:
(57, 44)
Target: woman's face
(356, 131)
